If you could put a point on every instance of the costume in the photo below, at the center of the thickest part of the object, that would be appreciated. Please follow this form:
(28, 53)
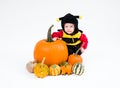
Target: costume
(75, 40)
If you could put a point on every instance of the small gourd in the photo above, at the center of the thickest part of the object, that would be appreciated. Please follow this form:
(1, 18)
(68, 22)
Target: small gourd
(66, 68)
(54, 70)
(78, 69)
(41, 70)
(30, 66)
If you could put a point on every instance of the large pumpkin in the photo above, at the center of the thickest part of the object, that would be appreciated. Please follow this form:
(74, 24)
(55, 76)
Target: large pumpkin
(55, 52)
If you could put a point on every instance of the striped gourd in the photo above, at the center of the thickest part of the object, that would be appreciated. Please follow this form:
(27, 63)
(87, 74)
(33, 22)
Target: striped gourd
(78, 69)
(54, 70)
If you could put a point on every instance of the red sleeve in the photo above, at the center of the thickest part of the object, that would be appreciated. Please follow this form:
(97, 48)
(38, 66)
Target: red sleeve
(58, 34)
(84, 40)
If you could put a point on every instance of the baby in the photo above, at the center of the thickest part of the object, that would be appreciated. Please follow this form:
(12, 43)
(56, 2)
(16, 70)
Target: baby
(71, 34)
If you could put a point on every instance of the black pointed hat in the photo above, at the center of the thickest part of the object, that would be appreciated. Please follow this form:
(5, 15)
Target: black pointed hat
(69, 18)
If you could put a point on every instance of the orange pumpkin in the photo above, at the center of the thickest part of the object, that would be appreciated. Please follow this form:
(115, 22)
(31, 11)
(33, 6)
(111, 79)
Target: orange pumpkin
(74, 58)
(66, 68)
(55, 52)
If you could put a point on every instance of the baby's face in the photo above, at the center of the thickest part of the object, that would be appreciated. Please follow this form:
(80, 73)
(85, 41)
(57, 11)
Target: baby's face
(69, 28)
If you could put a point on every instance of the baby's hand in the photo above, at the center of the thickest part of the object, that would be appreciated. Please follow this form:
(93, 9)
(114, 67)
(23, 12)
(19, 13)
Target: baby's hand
(82, 49)
(56, 38)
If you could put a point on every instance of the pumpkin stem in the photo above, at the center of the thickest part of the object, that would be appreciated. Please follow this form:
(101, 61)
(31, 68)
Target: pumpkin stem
(76, 53)
(43, 60)
(49, 37)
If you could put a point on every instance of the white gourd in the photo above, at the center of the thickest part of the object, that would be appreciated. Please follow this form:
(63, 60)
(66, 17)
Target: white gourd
(78, 69)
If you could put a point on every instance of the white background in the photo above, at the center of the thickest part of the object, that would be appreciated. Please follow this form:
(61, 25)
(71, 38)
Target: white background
(24, 22)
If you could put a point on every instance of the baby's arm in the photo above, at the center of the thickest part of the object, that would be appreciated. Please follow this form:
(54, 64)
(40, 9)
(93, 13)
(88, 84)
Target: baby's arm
(57, 35)
(84, 41)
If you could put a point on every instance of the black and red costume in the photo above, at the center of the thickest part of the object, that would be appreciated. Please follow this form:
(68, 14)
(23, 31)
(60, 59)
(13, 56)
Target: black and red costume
(75, 40)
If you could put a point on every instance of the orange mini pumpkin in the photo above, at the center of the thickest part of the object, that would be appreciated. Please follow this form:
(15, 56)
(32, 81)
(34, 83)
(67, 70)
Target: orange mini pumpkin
(66, 68)
(55, 52)
(74, 58)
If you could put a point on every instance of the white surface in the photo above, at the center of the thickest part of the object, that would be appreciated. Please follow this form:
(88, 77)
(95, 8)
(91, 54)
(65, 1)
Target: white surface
(24, 22)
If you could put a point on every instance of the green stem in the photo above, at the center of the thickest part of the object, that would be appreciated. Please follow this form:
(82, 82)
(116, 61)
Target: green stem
(76, 53)
(49, 37)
